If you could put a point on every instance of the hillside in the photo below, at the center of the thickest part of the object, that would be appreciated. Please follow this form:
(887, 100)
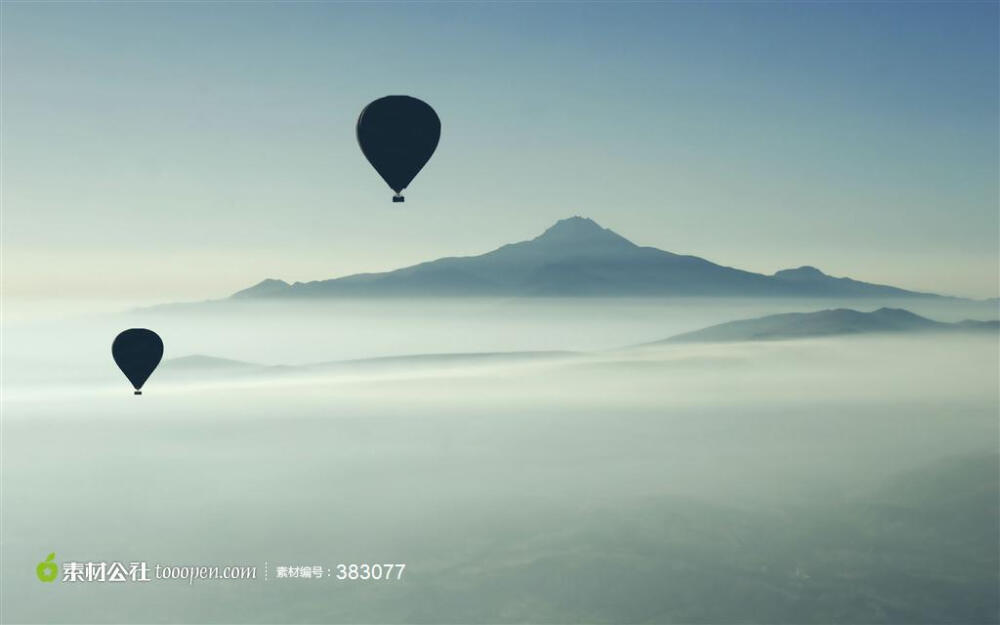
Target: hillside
(841, 321)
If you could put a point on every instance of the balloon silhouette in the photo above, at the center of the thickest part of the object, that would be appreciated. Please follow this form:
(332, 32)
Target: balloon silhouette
(397, 135)
(137, 352)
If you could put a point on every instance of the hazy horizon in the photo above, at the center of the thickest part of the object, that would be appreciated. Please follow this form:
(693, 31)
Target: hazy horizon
(43, 305)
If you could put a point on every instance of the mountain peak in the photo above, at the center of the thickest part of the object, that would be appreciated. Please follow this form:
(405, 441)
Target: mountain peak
(578, 230)
(805, 272)
(577, 222)
(265, 288)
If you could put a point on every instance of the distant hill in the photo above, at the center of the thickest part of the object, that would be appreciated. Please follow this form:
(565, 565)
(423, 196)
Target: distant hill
(576, 257)
(200, 362)
(827, 323)
(205, 366)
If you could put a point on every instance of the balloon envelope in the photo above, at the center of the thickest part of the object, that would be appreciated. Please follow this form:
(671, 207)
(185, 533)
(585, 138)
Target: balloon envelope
(137, 352)
(397, 135)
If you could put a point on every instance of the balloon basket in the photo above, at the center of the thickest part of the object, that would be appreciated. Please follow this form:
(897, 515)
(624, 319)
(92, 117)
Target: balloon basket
(137, 393)
(398, 198)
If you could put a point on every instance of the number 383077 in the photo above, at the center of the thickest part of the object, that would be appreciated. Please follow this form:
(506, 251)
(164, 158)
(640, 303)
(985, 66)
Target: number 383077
(366, 571)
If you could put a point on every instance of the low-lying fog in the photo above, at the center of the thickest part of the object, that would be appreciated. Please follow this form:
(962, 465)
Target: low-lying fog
(309, 331)
(819, 480)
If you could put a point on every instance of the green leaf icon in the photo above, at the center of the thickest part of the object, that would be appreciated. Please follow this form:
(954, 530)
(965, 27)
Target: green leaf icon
(48, 570)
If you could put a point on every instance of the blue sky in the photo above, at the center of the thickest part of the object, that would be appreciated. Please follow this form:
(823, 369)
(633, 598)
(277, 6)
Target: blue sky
(186, 150)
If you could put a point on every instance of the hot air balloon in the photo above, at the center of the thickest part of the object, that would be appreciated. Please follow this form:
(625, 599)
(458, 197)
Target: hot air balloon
(397, 135)
(137, 352)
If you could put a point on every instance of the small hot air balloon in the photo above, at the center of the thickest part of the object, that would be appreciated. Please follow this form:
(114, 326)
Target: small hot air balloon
(397, 135)
(137, 352)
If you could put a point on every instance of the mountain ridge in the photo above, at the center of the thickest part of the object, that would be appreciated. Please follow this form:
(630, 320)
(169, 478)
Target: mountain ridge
(576, 257)
(830, 322)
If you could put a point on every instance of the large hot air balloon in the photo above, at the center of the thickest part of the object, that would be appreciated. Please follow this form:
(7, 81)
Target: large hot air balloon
(137, 352)
(398, 134)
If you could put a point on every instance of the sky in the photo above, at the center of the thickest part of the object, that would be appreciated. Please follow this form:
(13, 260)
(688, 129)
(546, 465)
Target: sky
(182, 151)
